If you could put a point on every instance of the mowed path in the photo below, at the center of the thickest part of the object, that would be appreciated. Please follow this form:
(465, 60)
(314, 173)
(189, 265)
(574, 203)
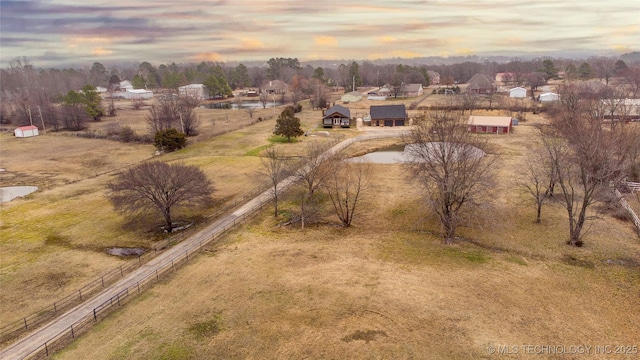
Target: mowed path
(29, 344)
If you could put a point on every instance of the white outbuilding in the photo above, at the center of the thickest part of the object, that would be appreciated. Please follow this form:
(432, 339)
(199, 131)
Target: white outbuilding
(518, 92)
(548, 97)
(26, 131)
(198, 91)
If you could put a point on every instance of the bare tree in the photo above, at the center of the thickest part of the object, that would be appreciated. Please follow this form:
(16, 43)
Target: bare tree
(274, 170)
(587, 160)
(345, 187)
(159, 186)
(538, 182)
(317, 166)
(449, 163)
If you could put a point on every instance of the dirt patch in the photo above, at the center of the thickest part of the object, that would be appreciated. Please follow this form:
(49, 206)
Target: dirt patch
(125, 252)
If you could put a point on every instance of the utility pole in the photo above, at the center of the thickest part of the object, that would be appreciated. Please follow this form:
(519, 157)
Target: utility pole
(42, 120)
(30, 119)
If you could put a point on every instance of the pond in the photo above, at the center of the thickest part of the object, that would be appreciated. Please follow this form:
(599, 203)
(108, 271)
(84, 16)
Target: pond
(9, 193)
(240, 105)
(400, 153)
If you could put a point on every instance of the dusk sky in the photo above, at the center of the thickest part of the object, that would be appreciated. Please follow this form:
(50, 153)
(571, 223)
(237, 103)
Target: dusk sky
(79, 32)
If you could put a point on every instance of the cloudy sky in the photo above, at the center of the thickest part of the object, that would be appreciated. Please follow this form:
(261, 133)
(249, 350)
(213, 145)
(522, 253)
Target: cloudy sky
(63, 32)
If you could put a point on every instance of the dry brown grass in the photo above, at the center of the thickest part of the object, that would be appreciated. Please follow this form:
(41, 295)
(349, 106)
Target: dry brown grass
(71, 208)
(387, 287)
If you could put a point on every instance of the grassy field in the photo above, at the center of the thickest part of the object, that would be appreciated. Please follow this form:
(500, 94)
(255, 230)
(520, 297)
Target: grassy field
(53, 242)
(385, 288)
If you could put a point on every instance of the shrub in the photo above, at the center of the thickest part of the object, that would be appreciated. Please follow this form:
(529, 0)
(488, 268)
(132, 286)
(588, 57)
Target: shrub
(169, 140)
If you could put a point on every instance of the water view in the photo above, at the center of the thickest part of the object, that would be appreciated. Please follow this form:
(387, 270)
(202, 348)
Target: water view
(240, 105)
(401, 153)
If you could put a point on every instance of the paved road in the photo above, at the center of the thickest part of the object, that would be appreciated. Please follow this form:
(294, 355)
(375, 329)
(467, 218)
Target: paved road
(33, 341)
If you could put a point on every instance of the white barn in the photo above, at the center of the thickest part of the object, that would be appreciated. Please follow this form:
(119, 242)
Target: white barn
(518, 92)
(26, 131)
(194, 90)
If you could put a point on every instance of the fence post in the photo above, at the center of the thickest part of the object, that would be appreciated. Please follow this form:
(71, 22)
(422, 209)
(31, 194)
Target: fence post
(102, 278)
(138, 285)
(72, 335)
(95, 318)
(46, 349)
(55, 310)
(80, 292)
(121, 271)
(25, 323)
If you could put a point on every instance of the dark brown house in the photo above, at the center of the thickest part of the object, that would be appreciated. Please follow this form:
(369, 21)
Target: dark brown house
(336, 116)
(388, 115)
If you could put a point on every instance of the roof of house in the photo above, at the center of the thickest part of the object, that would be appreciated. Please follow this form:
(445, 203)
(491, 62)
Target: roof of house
(489, 120)
(413, 87)
(341, 110)
(27, 127)
(388, 112)
(480, 81)
(517, 88)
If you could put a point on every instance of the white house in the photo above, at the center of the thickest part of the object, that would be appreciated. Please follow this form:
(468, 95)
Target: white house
(518, 92)
(194, 90)
(548, 97)
(26, 131)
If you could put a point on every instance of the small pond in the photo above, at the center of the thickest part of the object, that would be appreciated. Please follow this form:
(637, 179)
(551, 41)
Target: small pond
(241, 105)
(401, 153)
(9, 193)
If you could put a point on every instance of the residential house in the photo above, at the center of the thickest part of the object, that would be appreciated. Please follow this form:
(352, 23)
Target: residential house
(490, 124)
(413, 90)
(518, 92)
(388, 115)
(275, 87)
(480, 84)
(352, 96)
(26, 131)
(336, 116)
(434, 77)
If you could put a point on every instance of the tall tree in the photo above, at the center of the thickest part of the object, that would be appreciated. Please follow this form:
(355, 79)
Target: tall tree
(317, 165)
(586, 158)
(92, 102)
(345, 186)
(274, 169)
(288, 124)
(160, 186)
(449, 163)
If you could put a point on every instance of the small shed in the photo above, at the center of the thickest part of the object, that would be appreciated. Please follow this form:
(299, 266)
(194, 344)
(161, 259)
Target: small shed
(336, 116)
(548, 97)
(518, 92)
(26, 131)
(490, 124)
